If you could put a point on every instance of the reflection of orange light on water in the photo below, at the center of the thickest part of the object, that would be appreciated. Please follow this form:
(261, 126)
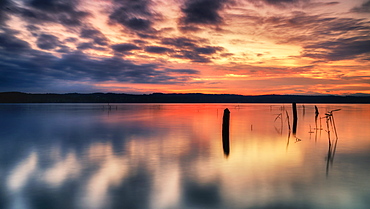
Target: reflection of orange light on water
(259, 157)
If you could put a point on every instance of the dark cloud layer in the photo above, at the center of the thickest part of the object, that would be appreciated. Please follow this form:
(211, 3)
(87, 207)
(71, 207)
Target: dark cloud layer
(313, 26)
(341, 49)
(279, 3)
(364, 8)
(203, 12)
(318, 34)
(89, 45)
(133, 15)
(183, 71)
(4, 10)
(40, 70)
(157, 49)
(64, 12)
(195, 50)
(45, 41)
(11, 44)
(179, 42)
(124, 47)
(207, 50)
(95, 35)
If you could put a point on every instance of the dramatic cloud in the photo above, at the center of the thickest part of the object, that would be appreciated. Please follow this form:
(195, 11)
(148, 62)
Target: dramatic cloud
(311, 27)
(11, 44)
(95, 35)
(4, 10)
(208, 50)
(133, 15)
(205, 46)
(45, 41)
(364, 8)
(157, 49)
(279, 3)
(89, 45)
(79, 67)
(183, 71)
(180, 42)
(341, 49)
(42, 11)
(124, 47)
(192, 49)
(203, 12)
(32, 68)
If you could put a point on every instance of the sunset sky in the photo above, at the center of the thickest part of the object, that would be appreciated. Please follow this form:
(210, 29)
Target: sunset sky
(247, 47)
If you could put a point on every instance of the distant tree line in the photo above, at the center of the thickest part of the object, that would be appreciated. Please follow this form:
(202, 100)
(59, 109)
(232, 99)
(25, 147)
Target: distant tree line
(18, 97)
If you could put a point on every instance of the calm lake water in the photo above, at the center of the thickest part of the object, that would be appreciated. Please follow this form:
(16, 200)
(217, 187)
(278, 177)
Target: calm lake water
(170, 156)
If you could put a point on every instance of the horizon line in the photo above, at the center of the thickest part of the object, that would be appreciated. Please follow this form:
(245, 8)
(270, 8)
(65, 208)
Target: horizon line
(193, 93)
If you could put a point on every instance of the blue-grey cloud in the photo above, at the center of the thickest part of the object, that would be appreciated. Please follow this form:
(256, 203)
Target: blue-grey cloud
(318, 26)
(95, 35)
(64, 12)
(364, 8)
(340, 49)
(318, 34)
(195, 50)
(208, 49)
(189, 28)
(202, 12)
(34, 16)
(11, 44)
(139, 41)
(191, 55)
(179, 42)
(280, 3)
(35, 12)
(25, 68)
(47, 41)
(124, 47)
(133, 15)
(183, 71)
(5, 6)
(157, 49)
(71, 39)
(89, 45)
(32, 28)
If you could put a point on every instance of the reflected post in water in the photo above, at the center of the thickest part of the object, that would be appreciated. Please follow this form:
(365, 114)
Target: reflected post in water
(330, 124)
(226, 132)
(316, 116)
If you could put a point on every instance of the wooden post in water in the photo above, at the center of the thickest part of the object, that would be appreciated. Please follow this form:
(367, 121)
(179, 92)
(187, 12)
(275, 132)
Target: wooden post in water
(295, 118)
(226, 132)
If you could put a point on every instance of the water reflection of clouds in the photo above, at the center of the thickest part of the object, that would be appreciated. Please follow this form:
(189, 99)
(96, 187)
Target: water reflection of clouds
(166, 191)
(22, 172)
(179, 163)
(111, 172)
(63, 169)
(19, 178)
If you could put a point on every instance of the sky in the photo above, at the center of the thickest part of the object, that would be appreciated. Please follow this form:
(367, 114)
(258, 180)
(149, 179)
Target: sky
(247, 47)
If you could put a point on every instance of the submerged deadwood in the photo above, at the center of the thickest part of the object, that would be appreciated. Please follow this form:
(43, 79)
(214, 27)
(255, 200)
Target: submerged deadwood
(226, 132)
